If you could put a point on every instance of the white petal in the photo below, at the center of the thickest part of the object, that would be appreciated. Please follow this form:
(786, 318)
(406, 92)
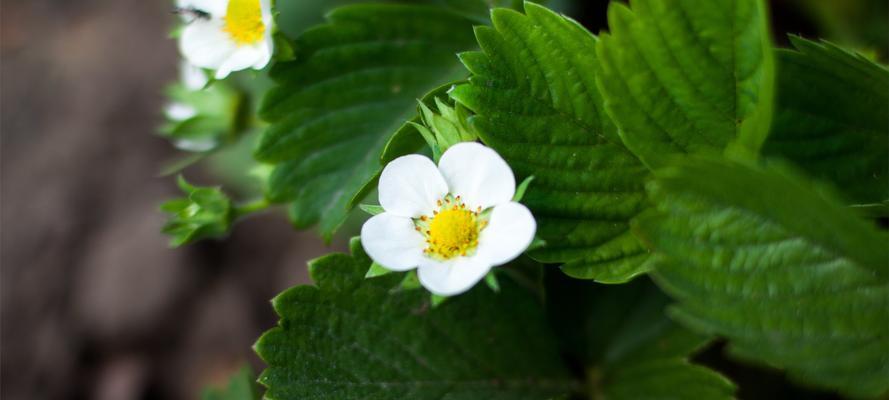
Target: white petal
(204, 44)
(451, 277)
(265, 49)
(410, 186)
(193, 78)
(242, 58)
(216, 8)
(393, 242)
(195, 145)
(478, 174)
(509, 232)
(180, 111)
(268, 18)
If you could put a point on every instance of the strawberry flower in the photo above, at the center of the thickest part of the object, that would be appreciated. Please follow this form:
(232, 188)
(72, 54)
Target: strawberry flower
(227, 35)
(453, 222)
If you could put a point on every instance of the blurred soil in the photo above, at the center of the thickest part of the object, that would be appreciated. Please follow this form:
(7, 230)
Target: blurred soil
(94, 303)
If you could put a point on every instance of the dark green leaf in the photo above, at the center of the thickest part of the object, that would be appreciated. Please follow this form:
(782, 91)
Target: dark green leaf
(355, 81)
(627, 345)
(832, 118)
(241, 386)
(688, 76)
(534, 94)
(350, 338)
(791, 277)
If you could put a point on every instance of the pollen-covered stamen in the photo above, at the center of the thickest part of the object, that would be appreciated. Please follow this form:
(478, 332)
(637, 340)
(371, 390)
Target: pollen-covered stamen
(452, 230)
(243, 21)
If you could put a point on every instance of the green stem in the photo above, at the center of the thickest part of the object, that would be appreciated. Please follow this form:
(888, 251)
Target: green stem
(250, 208)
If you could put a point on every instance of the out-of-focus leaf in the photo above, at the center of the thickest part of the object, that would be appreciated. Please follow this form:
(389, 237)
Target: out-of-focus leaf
(786, 273)
(832, 118)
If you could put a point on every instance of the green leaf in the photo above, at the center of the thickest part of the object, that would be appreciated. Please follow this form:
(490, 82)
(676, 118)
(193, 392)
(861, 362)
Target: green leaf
(350, 338)
(205, 212)
(626, 344)
(534, 94)
(355, 81)
(241, 386)
(792, 278)
(832, 118)
(688, 76)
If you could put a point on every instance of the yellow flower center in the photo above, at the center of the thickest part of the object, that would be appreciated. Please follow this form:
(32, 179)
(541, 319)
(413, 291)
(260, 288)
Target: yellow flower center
(243, 21)
(452, 231)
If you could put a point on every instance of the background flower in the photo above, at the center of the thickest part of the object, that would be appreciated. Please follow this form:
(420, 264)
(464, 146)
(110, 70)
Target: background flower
(231, 36)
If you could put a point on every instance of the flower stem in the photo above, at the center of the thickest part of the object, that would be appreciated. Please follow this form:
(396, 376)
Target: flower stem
(250, 208)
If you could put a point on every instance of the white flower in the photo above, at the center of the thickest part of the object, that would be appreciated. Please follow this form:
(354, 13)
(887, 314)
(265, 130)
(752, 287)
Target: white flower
(227, 35)
(452, 222)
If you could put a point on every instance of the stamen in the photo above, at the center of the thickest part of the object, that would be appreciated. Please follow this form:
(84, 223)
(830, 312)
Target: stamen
(452, 230)
(243, 21)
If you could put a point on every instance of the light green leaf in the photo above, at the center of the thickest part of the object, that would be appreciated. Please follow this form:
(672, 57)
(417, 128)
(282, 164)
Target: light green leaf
(355, 81)
(350, 338)
(534, 94)
(791, 277)
(832, 118)
(688, 76)
(241, 386)
(628, 347)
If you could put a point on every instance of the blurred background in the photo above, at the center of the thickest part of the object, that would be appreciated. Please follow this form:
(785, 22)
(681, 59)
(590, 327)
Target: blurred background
(95, 305)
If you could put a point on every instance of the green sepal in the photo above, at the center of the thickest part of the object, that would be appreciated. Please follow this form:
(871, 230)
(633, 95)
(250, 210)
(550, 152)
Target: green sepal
(520, 191)
(491, 281)
(376, 270)
(444, 127)
(436, 300)
(409, 282)
(372, 209)
(537, 243)
(283, 47)
(204, 212)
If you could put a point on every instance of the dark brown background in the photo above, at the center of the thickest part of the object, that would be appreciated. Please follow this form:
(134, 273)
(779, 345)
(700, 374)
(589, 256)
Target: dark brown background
(94, 303)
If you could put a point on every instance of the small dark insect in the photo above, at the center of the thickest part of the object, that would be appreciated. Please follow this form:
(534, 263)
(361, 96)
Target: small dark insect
(192, 12)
